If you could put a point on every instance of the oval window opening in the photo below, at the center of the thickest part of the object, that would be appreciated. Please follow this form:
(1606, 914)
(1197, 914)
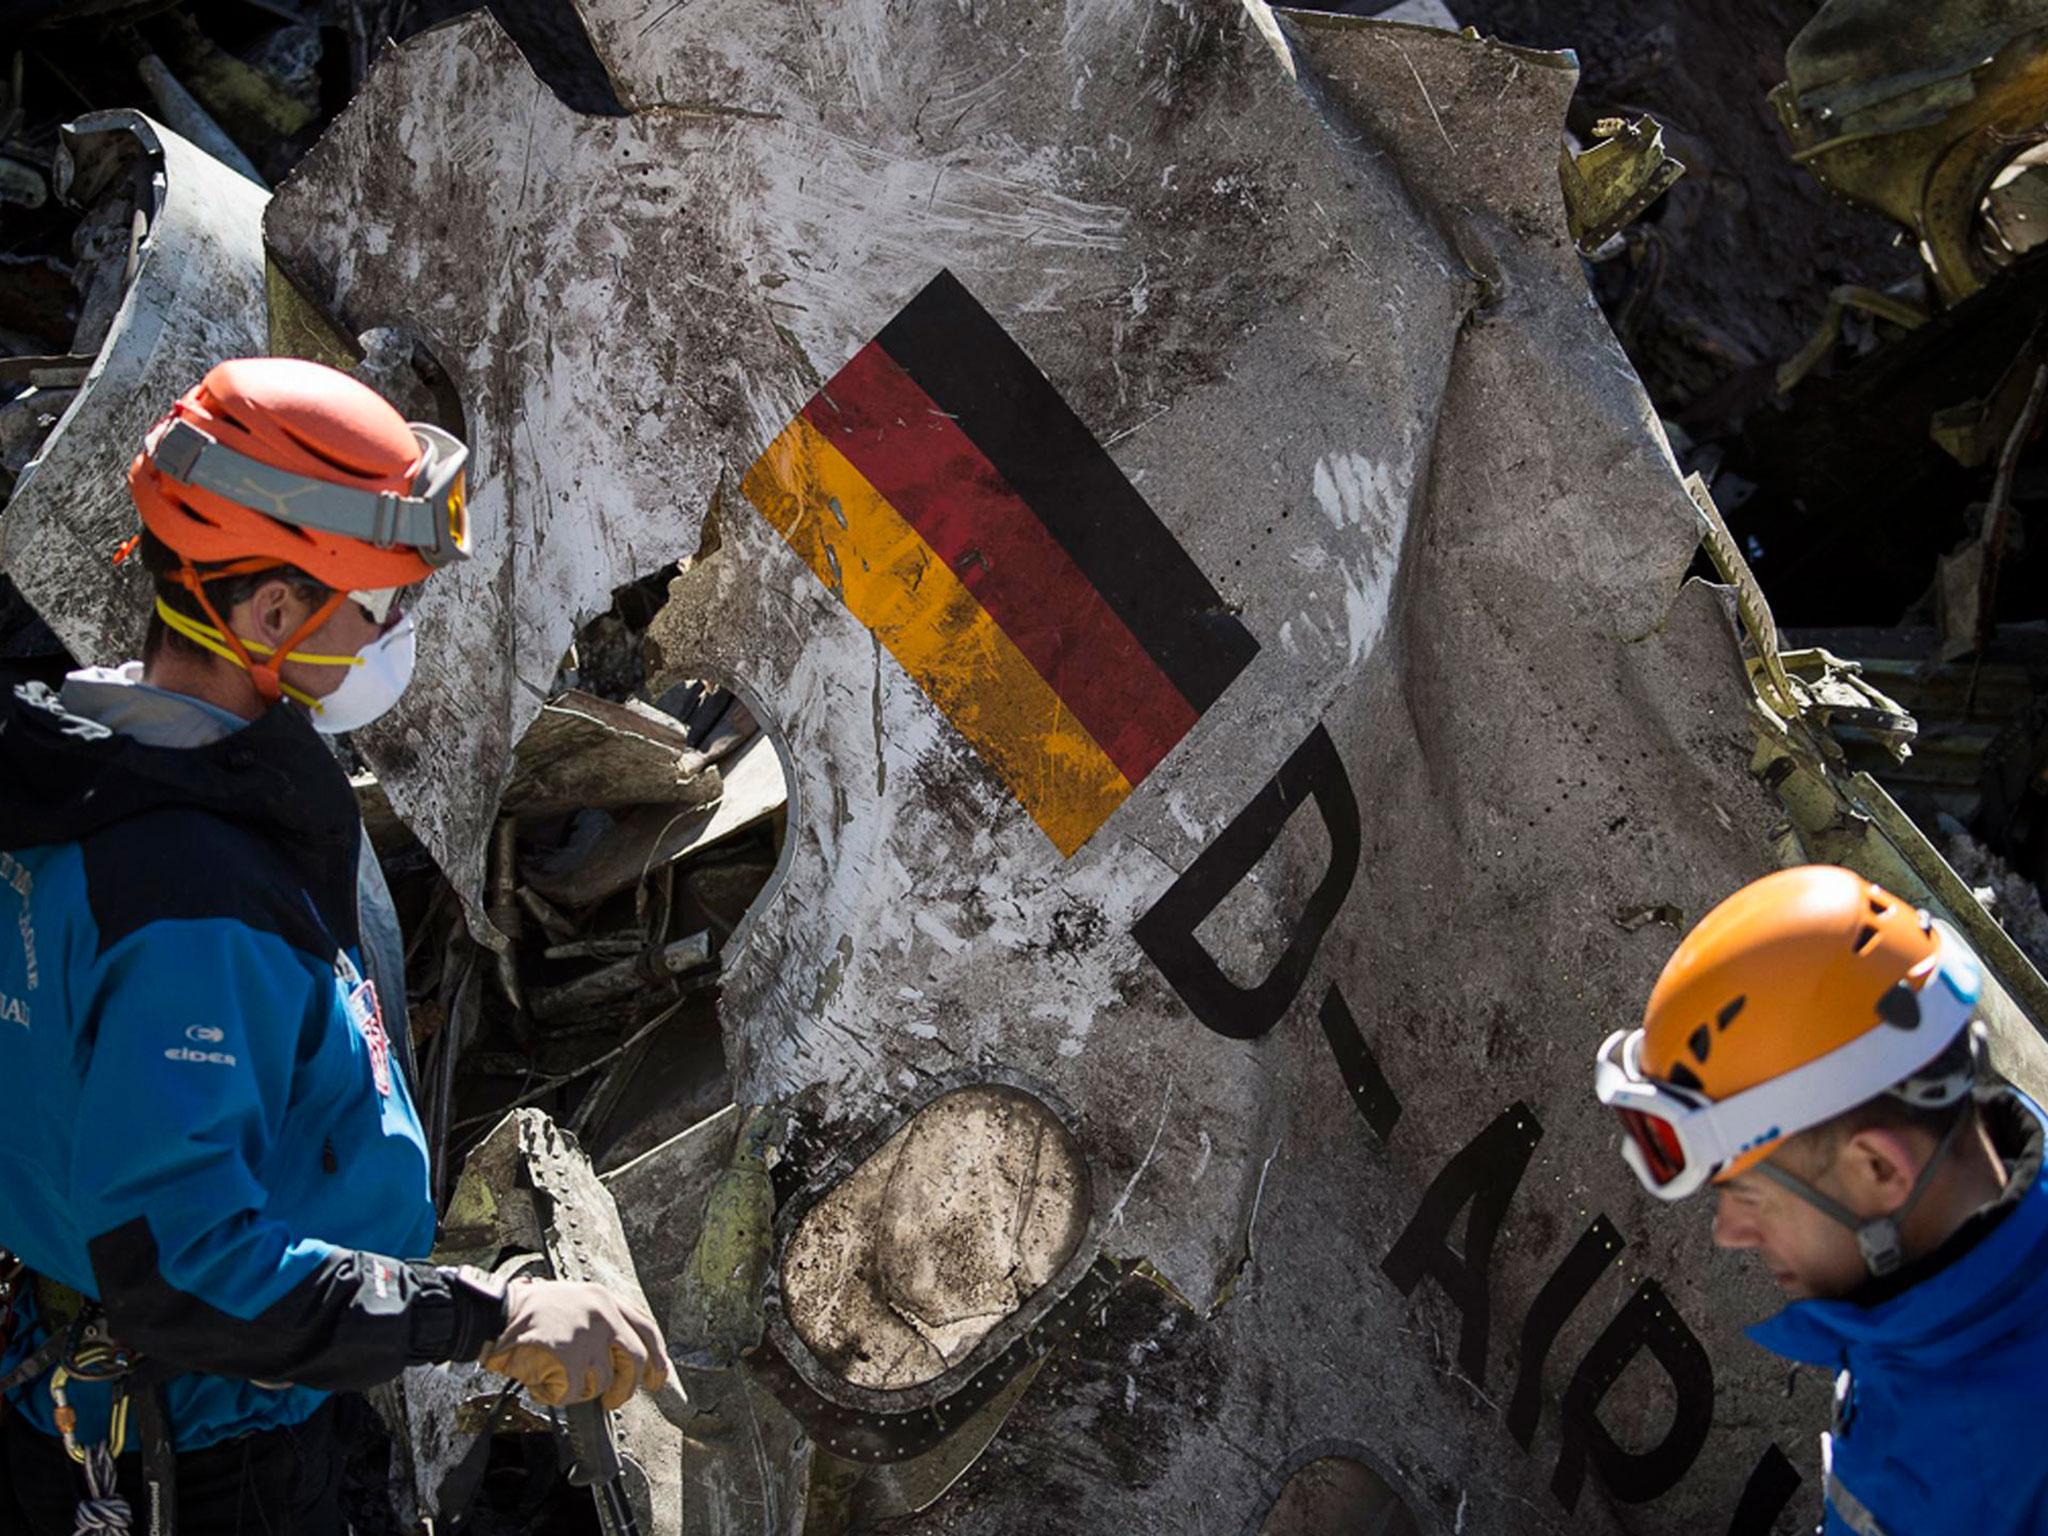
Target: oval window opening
(950, 1227)
(1339, 1496)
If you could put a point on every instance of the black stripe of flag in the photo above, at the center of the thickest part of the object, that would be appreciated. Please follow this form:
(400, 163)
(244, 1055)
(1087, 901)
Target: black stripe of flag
(973, 371)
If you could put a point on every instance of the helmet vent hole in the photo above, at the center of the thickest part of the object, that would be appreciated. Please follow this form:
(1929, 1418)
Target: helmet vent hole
(1865, 937)
(1702, 1041)
(316, 450)
(1682, 1076)
(1727, 1014)
(1900, 1007)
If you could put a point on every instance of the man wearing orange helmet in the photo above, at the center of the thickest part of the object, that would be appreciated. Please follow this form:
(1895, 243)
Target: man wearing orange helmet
(1811, 1051)
(213, 1179)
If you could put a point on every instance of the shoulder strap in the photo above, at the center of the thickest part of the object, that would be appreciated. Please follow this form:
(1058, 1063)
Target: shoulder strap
(45, 1356)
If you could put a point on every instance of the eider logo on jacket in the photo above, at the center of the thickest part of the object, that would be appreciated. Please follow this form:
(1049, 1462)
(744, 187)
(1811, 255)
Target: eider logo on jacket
(201, 1058)
(202, 1036)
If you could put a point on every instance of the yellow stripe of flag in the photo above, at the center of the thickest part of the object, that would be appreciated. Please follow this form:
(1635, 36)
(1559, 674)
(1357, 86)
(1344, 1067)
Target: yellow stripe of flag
(860, 547)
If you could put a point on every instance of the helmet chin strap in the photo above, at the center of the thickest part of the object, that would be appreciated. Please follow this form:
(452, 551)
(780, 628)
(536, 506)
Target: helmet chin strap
(1877, 1237)
(269, 686)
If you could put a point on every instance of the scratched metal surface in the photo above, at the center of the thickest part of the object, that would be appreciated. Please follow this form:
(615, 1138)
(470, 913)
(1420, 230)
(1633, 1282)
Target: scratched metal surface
(197, 296)
(1309, 283)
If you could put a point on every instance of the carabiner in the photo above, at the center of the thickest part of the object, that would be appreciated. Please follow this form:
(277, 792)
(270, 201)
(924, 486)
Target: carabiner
(67, 1416)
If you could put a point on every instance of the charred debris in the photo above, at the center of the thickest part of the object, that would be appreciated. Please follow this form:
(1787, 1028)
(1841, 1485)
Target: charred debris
(1835, 291)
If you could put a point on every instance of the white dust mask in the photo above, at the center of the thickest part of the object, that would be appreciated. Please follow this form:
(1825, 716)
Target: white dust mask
(372, 686)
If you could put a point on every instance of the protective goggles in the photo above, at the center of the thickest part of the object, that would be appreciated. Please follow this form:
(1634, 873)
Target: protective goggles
(433, 520)
(377, 602)
(1677, 1140)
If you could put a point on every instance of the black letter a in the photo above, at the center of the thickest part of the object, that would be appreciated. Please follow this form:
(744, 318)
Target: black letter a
(1484, 1176)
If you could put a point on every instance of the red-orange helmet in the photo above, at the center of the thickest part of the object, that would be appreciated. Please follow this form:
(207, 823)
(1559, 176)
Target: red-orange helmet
(282, 459)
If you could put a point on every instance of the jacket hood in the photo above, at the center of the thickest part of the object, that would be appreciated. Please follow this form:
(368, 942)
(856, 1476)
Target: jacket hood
(64, 777)
(1991, 1290)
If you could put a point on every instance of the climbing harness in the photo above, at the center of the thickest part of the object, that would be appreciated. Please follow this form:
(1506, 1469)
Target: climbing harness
(83, 1351)
(102, 1508)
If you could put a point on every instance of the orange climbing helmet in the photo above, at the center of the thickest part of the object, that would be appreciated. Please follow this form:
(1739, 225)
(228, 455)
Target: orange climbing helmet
(1801, 996)
(276, 461)
(296, 463)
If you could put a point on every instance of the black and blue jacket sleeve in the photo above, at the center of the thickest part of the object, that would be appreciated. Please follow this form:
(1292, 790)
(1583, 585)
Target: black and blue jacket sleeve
(209, 1061)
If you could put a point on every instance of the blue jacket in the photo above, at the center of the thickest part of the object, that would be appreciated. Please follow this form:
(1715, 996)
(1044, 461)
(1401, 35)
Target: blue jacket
(209, 1133)
(1943, 1369)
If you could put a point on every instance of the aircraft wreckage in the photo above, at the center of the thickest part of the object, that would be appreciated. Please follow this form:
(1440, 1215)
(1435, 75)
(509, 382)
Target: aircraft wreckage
(1215, 588)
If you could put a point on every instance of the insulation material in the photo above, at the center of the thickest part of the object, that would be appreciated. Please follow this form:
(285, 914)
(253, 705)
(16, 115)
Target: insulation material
(1216, 584)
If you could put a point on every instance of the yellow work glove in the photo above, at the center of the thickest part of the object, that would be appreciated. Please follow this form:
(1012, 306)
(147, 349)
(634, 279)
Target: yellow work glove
(567, 1341)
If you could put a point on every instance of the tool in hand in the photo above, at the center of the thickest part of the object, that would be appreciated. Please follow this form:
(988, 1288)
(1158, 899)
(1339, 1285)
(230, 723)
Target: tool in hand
(594, 1464)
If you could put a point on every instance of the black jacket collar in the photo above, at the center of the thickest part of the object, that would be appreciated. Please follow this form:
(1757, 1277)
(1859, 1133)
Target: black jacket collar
(63, 777)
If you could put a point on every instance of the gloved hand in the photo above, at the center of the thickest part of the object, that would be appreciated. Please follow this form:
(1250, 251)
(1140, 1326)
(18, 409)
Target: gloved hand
(567, 1341)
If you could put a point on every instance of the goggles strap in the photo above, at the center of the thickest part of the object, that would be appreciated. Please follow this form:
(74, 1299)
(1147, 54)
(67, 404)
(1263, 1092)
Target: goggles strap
(1878, 1238)
(425, 522)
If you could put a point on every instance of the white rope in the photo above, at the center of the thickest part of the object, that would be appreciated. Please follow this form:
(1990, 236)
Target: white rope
(102, 1512)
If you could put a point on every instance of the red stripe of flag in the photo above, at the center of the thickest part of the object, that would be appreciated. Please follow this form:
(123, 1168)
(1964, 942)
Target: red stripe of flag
(931, 472)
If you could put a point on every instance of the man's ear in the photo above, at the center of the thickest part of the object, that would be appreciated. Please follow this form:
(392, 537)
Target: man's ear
(271, 613)
(1877, 1167)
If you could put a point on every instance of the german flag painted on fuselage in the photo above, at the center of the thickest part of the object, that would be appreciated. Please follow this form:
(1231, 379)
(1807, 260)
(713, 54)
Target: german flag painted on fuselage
(940, 485)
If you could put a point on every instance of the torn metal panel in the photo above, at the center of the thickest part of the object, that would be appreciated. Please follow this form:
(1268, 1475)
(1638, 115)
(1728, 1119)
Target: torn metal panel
(196, 296)
(583, 1240)
(586, 752)
(751, 789)
(1838, 814)
(1243, 1168)
(592, 462)
(1916, 111)
(1607, 187)
(715, 1312)
(183, 112)
(697, 1223)
(660, 1195)
(529, 1182)
(1215, 584)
